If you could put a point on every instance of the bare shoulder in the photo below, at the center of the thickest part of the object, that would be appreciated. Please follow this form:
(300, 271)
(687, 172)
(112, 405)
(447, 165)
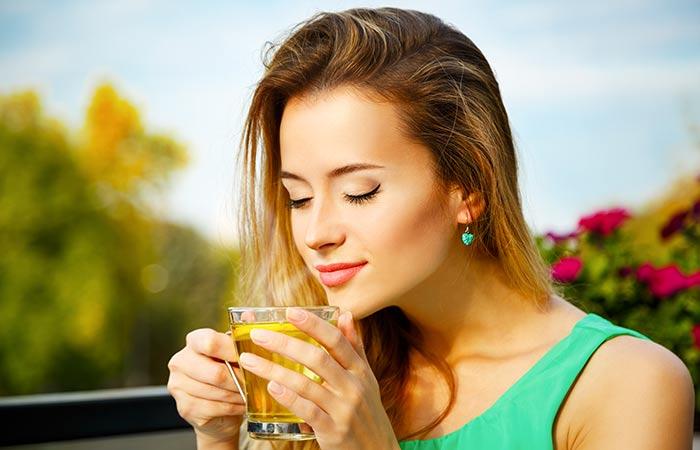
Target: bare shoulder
(639, 395)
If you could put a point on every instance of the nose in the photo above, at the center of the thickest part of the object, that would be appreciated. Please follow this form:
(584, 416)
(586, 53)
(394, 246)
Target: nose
(323, 228)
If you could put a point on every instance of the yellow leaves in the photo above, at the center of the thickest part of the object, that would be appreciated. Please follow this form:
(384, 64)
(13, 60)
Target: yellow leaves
(645, 227)
(114, 150)
(109, 122)
(118, 152)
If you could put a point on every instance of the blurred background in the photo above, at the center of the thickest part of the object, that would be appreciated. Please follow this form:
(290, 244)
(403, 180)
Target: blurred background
(120, 120)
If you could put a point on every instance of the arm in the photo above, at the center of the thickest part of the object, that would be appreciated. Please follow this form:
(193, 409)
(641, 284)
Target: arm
(644, 400)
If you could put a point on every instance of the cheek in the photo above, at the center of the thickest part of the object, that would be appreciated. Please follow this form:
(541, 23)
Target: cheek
(307, 254)
(415, 244)
(406, 238)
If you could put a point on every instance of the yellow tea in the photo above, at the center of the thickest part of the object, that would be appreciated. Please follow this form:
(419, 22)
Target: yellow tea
(262, 407)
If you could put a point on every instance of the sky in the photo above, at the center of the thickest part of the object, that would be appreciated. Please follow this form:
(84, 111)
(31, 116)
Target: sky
(600, 94)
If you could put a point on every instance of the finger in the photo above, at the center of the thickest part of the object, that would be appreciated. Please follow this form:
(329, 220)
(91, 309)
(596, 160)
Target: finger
(300, 384)
(311, 413)
(191, 408)
(248, 316)
(203, 369)
(212, 343)
(181, 382)
(329, 336)
(350, 331)
(312, 356)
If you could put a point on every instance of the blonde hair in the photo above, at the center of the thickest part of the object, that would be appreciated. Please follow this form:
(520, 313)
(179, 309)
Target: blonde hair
(449, 101)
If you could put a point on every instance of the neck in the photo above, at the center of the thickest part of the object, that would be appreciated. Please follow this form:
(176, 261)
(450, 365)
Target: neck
(466, 309)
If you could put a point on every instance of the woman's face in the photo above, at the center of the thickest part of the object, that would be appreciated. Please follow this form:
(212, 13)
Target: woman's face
(403, 229)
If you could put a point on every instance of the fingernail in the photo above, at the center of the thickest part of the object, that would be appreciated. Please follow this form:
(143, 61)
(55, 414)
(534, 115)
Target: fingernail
(275, 387)
(296, 314)
(247, 360)
(260, 336)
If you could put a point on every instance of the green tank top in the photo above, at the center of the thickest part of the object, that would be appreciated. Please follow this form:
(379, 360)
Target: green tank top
(523, 417)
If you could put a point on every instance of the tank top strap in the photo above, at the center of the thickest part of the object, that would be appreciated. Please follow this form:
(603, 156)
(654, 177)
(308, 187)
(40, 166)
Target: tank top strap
(542, 392)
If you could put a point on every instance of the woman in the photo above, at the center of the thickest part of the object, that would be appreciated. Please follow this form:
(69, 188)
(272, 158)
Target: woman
(377, 138)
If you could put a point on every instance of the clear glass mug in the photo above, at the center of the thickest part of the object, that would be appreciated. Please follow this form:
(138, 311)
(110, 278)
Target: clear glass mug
(267, 419)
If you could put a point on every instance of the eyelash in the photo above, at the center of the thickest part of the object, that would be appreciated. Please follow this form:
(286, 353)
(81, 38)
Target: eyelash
(355, 199)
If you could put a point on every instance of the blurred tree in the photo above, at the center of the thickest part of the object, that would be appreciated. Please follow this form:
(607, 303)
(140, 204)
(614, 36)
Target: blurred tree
(116, 151)
(95, 291)
(68, 288)
(188, 287)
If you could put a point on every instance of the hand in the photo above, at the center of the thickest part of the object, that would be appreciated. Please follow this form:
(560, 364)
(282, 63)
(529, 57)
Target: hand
(206, 396)
(346, 410)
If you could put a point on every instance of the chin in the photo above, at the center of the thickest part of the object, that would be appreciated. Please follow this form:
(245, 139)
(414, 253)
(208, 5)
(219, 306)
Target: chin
(359, 311)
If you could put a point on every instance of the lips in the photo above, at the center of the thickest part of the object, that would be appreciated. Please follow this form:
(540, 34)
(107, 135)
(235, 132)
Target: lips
(339, 273)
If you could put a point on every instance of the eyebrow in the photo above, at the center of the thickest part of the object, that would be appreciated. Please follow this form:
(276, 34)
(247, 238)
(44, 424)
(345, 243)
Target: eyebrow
(335, 172)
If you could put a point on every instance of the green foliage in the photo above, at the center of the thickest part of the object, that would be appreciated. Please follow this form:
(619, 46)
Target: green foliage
(188, 288)
(81, 304)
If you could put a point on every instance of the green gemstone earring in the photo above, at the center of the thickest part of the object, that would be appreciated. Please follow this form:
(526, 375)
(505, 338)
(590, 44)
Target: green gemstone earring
(467, 237)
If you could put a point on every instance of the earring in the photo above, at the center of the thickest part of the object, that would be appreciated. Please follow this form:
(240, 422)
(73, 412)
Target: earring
(467, 237)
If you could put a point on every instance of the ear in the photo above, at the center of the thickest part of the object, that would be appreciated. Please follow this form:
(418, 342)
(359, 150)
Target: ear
(467, 206)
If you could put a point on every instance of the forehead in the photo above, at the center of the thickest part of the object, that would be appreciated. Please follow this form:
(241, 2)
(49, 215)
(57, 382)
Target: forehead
(339, 127)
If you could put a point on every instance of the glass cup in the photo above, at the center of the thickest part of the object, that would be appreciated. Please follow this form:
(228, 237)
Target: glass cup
(267, 419)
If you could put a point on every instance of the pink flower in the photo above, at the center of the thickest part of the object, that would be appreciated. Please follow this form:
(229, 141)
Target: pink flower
(644, 272)
(604, 222)
(557, 238)
(567, 269)
(696, 335)
(666, 281)
(693, 280)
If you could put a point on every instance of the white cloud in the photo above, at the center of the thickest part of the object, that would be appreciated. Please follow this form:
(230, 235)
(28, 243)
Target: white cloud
(552, 83)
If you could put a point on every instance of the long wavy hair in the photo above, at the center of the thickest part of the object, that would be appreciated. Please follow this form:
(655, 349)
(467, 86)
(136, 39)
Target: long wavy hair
(449, 101)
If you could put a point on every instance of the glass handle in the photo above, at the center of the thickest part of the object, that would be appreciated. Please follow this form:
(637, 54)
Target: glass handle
(239, 384)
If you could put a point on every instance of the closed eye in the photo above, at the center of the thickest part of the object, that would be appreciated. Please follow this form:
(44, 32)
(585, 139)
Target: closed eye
(358, 199)
(354, 199)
